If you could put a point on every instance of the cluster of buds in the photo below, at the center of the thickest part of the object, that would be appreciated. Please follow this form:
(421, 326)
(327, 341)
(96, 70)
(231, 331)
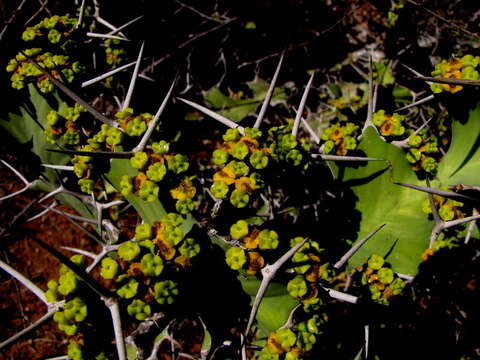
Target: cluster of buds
(63, 125)
(382, 282)
(423, 152)
(389, 125)
(457, 68)
(56, 31)
(340, 139)
(254, 244)
(448, 209)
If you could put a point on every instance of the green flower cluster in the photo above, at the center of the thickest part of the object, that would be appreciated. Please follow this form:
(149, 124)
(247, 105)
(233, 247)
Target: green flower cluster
(457, 68)
(310, 271)
(340, 139)
(55, 31)
(382, 282)
(113, 52)
(134, 125)
(153, 166)
(255, 244)
(68, 288)
(286, 148)
(140, 268)
(64, 125)
(239, 157)
(389, 125)
(423, 152)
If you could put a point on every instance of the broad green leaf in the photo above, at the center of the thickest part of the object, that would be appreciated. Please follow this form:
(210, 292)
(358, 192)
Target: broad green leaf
(461, 163)
(131, 351)
(380, 201)
(275, 306)
(29, 125)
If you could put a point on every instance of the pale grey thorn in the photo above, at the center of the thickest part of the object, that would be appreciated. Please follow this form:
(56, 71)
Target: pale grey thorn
(301, 106)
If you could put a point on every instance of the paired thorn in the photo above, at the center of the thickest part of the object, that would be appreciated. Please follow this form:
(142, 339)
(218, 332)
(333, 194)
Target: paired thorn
(269, 94)
(418, 102)
(28, 184)
(447, 194)
(107, 74)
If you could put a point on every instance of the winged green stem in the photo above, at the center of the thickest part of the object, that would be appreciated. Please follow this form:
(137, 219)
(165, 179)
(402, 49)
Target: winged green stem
(107, 74)
(268, 273)
(153, 123)
(268, 96)
(131, 87)
(355, 248)
(95, 113)
(301, 107)
(114, 309)
(24, 280)
(231, 124)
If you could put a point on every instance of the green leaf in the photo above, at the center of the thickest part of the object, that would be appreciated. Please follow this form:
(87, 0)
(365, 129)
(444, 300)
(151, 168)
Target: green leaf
(28, 126)
(380, 201)
(461, 163)
(131, 351)
(275, 306)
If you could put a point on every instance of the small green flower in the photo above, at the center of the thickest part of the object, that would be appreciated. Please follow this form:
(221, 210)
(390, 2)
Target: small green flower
(165, 292)
(239, 199)
(128, 290)
(29, 34)
(375, 262)
(286, 338)
(219, 189)
(428, 164)
(239, 168)
(126, 185)
(52, 293)
(240, 151)
(173, 234)
(231, 135)
(156, 172)
(379, 118)
(52, 117)
(178, 163)
(268, 240)
(385, 275)
(185, 206)
(75, 310)
(114, 136)
(143, 231)
(139, 309)
(109, 268)
(68, 283)
(129, 250)
(148, 191)
(328, 146)
(173, 219)
(86, 185)
(152, 264)
(54, 36)
(239, 229)
(71, 137)
(220, 157)
(287, 142)
(162, 147)
(295, 157)
(259, 160)
(446, 213)
(235, 258)
(415, 140)
(136, 127)
(74, 351)
(297, 287)
(253, 132)
(139, 159)
(189, 248)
